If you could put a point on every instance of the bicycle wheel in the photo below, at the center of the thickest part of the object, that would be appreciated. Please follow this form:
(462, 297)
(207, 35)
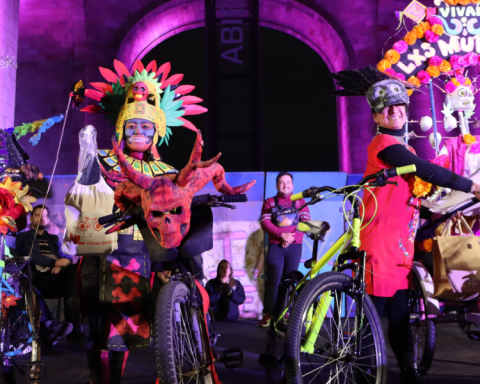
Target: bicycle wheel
(424, 330)
(329, 356)
(21, 347)
(181, 343)
(276, 332)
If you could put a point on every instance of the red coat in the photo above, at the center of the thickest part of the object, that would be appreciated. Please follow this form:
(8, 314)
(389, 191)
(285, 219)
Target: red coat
(388, 239)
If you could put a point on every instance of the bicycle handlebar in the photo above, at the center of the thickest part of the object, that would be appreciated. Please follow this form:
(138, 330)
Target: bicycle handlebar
(380, 176)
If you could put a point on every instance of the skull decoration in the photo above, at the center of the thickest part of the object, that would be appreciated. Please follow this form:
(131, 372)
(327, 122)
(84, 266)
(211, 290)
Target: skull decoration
(166, 199)
(461, 99)
(140, 91)
(386, 93)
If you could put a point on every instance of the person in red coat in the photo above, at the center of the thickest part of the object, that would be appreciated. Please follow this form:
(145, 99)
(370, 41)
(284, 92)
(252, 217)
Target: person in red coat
(394, 212)
(284, 241)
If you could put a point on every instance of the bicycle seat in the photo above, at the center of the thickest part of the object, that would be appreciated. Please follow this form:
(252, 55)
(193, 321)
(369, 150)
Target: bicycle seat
(314, 227)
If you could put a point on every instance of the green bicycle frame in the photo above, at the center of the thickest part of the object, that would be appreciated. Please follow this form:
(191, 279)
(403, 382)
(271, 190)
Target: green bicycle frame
(313, 321)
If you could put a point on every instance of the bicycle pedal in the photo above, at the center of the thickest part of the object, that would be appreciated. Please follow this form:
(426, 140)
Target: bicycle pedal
(233, 358)
(268, 361)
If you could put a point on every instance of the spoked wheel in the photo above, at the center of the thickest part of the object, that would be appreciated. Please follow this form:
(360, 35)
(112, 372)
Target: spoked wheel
(276, 332)
(325, 351)
(424, 330)
(21, 346)
(181, 342)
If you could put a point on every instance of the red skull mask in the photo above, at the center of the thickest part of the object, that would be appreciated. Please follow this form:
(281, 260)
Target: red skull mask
(140, 91)
(166, 200)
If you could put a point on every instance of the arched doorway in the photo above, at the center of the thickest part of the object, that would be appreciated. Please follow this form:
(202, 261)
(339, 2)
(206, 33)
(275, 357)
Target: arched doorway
(293, 18)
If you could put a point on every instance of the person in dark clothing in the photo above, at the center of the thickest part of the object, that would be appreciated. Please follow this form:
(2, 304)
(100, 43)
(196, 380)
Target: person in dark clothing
(226, 293)
(53, 275)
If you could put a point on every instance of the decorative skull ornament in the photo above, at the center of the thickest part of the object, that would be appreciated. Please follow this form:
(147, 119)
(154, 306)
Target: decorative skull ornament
(166, 199)
(461, 99)
(140, 91)
(386, 93)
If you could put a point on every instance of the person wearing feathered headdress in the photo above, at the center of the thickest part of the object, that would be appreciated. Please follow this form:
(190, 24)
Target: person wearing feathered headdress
(143, 105)
(393, 211)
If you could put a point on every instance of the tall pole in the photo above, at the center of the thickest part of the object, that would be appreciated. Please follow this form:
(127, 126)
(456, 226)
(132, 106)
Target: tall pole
(434, 117)
(211, 76)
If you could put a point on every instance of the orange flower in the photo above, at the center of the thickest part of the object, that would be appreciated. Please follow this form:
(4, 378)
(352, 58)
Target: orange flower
(392, 56)
(383, 65)
(433, 71)
(468, 81)
(428, 245)
(469, 139)
(419, 32)
(445, 66)
(409, 92)
(451, 2)
(421, 188)
(455, 81)
(425, 25)
(438, 29)
(414, 80)
(475, 1)
(464, 2)
(410, 38)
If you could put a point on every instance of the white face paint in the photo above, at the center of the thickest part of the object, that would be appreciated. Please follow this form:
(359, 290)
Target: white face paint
(462, 98)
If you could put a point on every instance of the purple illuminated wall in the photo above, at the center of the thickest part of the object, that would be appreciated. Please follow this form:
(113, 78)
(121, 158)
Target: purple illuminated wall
(8, 46)
(62, 41)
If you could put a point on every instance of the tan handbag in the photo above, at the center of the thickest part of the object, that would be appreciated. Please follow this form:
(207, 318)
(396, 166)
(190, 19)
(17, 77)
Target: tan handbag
(457, 263)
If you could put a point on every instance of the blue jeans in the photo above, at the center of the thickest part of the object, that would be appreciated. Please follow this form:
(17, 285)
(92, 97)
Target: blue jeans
(280, 262)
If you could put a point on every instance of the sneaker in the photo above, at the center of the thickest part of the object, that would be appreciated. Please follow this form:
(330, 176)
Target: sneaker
(265, 322)
(54, 330)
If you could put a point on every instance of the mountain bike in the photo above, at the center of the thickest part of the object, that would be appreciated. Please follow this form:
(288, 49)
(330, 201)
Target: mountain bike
(19, 321)
(184, 328)
(328, 330)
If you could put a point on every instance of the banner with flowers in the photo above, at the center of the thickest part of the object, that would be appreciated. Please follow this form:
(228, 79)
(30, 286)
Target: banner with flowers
(447, 41)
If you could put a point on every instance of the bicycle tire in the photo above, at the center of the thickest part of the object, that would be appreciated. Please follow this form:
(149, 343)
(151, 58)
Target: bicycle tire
(336, 283)
(424, 329)
(275, 344)
(174, 317)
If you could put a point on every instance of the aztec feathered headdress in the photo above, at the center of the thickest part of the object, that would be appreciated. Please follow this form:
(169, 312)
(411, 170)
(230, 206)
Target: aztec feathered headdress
(357, 82)
(145, 92)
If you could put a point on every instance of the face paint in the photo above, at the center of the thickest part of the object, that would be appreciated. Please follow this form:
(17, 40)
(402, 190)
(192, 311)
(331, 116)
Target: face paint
(140, 91)
(139, 134)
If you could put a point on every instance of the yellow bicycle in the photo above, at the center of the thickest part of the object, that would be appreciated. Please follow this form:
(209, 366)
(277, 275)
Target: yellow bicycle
(325, 328)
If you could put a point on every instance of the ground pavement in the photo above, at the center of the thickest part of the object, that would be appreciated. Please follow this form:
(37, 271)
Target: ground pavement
(457, 359)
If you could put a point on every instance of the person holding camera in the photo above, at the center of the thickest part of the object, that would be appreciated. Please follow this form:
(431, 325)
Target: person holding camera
(279, 220)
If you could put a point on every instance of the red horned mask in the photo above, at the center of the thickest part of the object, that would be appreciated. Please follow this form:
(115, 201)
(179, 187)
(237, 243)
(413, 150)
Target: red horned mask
(166, 199)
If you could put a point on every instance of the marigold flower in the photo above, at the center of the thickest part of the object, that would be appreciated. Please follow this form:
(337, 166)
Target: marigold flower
(414, 80)
(410, 38)
(445, 66)
(419, 31)
(392, 56)
(425, 25)
(428, 245)
(433, 71)
(463, 2)
(451, 2)
(469, 139)
(383, 65)
(421, 188)
(438, 29)
(401, 46)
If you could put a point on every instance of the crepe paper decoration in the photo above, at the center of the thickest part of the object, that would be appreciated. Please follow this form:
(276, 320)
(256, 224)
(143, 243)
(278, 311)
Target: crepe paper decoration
(43, 128)
(164, 93)
(25, 128)
(9, 301)
(414, 11)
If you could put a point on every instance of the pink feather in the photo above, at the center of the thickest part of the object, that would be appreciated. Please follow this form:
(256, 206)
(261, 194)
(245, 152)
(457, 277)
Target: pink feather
(95, 95)
(152, 66)
(172, 80)
(104, 87)
(190, 99)
(121, 70)
(187, 124)
(184, 89)
(194, 109)
(165, 70)
(138, 66)
(109, 75)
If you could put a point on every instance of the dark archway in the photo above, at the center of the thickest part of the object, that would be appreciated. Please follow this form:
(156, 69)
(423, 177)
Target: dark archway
(298, 113)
